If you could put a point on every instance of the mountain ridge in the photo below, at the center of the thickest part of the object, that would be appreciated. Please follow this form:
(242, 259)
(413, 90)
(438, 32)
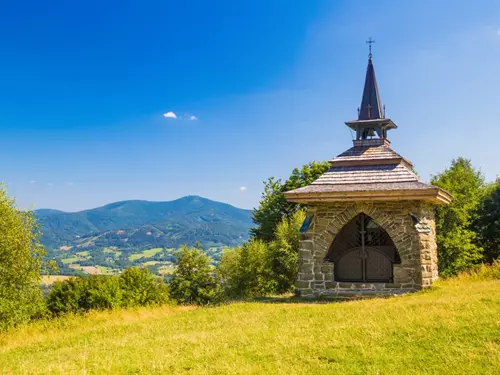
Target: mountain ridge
(173, 218)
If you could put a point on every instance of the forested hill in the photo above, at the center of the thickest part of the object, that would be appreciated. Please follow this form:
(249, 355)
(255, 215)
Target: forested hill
(143, 224)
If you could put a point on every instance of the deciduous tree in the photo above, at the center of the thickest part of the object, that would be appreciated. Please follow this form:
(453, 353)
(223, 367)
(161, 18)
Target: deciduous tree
(20, 264)
(488, 223)
(273, 206)
(457, 242)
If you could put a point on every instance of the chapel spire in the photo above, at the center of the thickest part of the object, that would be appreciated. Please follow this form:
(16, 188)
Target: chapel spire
(371, 120)
(370, 104)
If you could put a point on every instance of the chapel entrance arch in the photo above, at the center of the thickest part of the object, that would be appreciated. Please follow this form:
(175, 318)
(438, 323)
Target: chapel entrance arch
(363, 252)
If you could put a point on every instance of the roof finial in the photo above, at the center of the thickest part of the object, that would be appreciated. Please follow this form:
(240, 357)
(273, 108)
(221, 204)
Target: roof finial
(370, 41)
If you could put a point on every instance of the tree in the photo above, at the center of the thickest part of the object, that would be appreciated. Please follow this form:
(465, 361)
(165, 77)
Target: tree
(141, 288)
(273, 206)
(246, 271)
(456, 240)
(488, 223)
(258, 268)
(20, 264)
(284, 252)
(193, 281)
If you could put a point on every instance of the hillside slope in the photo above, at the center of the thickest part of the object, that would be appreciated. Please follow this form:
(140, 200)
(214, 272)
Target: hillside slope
(453, 329)
(147, 224)
(139, 233)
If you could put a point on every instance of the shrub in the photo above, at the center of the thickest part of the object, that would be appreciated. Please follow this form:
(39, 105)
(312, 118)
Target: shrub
(141, 288)
(134, 287)
(66, 296)
(284, 252)
(101, 293)
(246, 272)
(20, 265)
(193, 281)
(258, 268)
(79, 294)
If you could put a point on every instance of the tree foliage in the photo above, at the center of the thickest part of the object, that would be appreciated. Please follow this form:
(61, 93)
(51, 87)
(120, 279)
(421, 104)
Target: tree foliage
(193, 281)
(458, 248)
(273, 206)
(134, 287)
(20, 264)
(244, 271)
(141, 288)
(488, 222)
(259, 268)
(284, 252)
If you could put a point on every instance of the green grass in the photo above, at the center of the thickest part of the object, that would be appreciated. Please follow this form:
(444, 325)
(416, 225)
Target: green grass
(83, 254)
(70, 260)
(452, 329)
(145, 254)
(108, 270)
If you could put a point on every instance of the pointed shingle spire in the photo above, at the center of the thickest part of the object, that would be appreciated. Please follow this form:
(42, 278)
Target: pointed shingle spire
(371, 108)
(371, 120)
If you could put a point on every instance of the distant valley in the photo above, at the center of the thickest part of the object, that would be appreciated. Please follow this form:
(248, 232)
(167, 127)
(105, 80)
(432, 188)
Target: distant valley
(119, 235)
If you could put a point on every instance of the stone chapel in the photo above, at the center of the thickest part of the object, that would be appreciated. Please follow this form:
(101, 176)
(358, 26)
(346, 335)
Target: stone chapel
(370, 220)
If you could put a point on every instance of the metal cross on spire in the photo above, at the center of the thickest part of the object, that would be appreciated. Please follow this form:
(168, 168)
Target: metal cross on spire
(370, 41)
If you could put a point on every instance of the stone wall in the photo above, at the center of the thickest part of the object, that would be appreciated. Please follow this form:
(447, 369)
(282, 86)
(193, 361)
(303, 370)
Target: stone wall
(410, 224)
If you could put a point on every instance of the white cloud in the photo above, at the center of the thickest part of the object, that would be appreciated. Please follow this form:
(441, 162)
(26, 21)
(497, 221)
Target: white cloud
(170, 115)
(32, 181)
(243, 188)
(193, 118)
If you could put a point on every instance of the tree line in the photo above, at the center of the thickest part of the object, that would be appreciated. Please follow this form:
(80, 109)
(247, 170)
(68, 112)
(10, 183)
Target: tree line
(468, 234)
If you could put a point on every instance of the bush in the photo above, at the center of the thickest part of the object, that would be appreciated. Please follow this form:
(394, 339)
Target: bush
(134, 287)
(284, 252)
(66, 296)
(259, 268)
(246, 271)
(101, 293)
(20, 265)
(193, 282)
(141, 288)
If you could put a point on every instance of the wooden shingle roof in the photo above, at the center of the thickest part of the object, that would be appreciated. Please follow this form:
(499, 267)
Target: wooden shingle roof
(369, 172)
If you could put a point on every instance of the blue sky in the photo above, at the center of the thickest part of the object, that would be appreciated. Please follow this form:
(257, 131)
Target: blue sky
(84, 85)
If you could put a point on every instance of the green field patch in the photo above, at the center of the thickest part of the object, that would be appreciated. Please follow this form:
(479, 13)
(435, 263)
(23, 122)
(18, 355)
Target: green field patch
(83, 254)
(108, 270)
(150, 263)
(167, 269)
(152, 252)
(135, 256)
(145, 254)
(70, 260)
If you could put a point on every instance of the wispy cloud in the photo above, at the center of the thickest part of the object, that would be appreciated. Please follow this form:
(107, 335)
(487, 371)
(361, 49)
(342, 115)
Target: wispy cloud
(170, 115)
(32, 182)
(243, 188)
(193, 118)
(50, 184)
(498, 32)
(70, 183)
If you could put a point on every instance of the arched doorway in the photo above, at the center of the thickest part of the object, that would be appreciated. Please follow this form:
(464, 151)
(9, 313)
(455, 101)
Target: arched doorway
(363, 252)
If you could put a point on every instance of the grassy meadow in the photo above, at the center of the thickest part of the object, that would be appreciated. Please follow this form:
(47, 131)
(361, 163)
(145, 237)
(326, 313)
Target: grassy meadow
(452, 329)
